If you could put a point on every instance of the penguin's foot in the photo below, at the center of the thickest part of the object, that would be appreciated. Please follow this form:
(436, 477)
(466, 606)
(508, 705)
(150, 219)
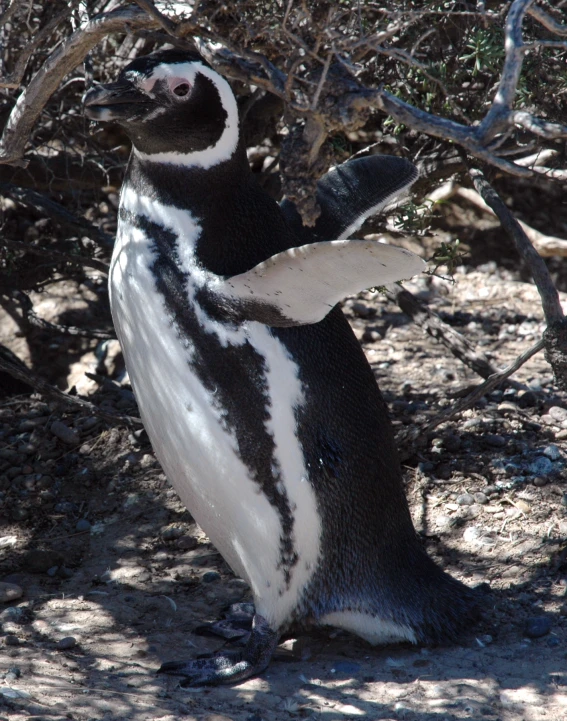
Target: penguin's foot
(229, 666)
(236, 624)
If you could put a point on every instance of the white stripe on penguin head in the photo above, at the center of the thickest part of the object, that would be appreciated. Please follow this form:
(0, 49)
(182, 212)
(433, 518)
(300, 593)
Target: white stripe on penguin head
(226, 145)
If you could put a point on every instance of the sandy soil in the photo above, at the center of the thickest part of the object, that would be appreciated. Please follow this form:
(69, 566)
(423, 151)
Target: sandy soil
(116, 575)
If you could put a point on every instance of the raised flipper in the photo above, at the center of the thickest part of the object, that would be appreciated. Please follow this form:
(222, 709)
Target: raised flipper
(229, 666)
(301, 285)
(351, 193)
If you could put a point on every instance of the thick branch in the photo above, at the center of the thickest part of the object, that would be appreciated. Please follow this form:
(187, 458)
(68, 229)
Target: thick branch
(548, 293)
(62, 61)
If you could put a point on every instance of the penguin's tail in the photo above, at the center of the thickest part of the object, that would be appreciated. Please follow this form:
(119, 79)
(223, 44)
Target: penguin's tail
(435, 605)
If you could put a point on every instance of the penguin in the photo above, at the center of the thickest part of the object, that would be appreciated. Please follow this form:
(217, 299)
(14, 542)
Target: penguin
(256, 395)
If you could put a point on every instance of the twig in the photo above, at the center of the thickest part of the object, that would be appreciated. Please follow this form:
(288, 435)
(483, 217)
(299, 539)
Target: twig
(547, 291)
(416, 433)
(62, 61)
(27, 308)
(21, 373)
(164, 22)
(431, 324)
(15, 78)
(54, 255)
(547, 21)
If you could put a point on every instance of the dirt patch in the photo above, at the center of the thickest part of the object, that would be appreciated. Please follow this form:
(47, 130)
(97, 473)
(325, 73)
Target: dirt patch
(117, 576)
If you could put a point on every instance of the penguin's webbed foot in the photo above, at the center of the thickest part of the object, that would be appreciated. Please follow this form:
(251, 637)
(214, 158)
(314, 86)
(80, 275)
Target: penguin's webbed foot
(235, 626)
(229, 666)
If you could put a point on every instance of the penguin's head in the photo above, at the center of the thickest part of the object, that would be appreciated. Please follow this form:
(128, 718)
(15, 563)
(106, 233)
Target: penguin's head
(174, 107)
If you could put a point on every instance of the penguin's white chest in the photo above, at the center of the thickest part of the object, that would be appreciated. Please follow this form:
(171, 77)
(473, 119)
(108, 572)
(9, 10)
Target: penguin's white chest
(197, 448)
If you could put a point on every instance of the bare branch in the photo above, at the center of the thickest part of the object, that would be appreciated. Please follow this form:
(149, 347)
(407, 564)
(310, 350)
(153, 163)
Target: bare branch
(62, 61)
(37, 201)
(548, 293)
(416, 433)
(34, 319)
(546, 245)
(21, 373)
(162, 20)
(547, 21)
(15, 78)
(55, 256)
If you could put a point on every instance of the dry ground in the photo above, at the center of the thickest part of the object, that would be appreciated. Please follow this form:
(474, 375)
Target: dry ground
(116, 575)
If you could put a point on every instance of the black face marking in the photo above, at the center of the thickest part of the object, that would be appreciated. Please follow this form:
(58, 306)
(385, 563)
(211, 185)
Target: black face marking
(234, 376)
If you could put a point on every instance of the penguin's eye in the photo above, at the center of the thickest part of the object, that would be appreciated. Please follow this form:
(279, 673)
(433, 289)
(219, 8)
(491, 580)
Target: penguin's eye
(180, 90)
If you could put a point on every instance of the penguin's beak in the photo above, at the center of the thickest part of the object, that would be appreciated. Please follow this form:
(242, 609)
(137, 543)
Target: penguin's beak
(115, 101)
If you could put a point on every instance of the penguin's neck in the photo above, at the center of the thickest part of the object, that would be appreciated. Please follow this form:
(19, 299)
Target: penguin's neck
(191, 188)
(238, 225)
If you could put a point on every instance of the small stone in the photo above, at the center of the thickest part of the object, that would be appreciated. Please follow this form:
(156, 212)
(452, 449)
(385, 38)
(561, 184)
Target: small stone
(558, 413)
(480, 497)
(52, 572)
(539, 481)
(64, 433)
(443, 472)
(187, 543)
(82, 525)
(14, 614)
(362, 310)
(171, 533)
(67, 642)
(210, 576)
(495, 441)
(527, 399)
(10, 592)
(465, 499)
(541, 466)
(451, 443)
(552, 452)
(507, 407)
(561, 435)
(537, 627)
(11, 640)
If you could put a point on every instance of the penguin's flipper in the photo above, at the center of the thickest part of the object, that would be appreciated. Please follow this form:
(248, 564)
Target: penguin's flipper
(300, 285)
(352, 192)
(229, 666)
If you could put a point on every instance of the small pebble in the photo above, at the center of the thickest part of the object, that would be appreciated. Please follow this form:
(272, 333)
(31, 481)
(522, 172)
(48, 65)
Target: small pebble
(540, 481)
(11, 640)
(211, 576)
(495, 441)
(527, 399)
(64, 433)
(558, 413)
(537, 627)
(10, 592)
(362, 310)
(451, 443)
(465, 499)
(541, 466)
(82, 525)
(552, 452)
(171, 533)
(481, 498)
(187, 543)
(67, 642)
